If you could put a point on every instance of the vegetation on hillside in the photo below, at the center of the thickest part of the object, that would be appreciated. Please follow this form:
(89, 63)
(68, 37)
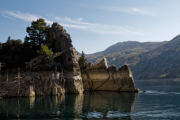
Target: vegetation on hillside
(15, 53)
(44, 50)
(162, 62)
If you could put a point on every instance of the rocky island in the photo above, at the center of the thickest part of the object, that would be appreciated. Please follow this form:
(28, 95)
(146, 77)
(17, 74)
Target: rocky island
(60, 73)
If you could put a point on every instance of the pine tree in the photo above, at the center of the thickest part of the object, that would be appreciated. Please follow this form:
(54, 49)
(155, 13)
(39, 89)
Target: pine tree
(36, 33)
(82, 62)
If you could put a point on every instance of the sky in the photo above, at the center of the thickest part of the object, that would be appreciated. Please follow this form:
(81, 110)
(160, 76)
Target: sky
(94, 25)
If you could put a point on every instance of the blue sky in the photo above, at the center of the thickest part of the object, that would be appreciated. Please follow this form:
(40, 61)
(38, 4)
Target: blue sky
(95, 24)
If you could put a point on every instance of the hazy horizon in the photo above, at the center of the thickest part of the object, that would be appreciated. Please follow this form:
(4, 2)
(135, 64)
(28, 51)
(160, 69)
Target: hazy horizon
(95, 25)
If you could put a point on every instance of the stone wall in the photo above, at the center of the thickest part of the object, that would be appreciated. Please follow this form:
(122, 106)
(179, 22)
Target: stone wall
(99, 78)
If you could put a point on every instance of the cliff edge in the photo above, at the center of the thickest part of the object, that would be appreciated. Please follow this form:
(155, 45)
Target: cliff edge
(61, 74)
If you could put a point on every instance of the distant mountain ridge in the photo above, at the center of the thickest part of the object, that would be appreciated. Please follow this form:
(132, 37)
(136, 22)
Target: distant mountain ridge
(124, 52)
(148, 60)
(162, 62)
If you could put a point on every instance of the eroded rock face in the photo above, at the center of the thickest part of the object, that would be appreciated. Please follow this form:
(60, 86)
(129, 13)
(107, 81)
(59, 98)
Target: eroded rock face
(60, 41)
(99, 78)
(20, 83)
(58, 38)
(101, 65)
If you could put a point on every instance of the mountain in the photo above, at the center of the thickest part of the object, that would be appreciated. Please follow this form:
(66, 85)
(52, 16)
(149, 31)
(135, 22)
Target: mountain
(148, 60)
(161, 62)
(124, 52)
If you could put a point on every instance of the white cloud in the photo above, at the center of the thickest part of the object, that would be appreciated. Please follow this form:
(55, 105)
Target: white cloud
(70, 20)
(98, 28)
(79, 23)
(25, 16)
(131, 10)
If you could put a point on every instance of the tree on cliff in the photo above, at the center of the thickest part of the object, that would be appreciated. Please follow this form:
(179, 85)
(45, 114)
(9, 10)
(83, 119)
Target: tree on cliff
(36, 33)
(45, 51)
(11, 52)
(0, 45)
(12, 42)
(82, 61)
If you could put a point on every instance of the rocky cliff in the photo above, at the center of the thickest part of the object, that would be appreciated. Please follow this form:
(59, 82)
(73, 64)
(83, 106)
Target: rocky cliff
(61, 42)
(16, 82)
(61, 74)
(55, 76)
(100, 77)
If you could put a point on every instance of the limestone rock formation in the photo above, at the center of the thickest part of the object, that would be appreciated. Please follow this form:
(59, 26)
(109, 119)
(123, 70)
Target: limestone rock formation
(61, 74)
(57, 75)
(60, 41)
(101, 78)
(101, 65)
(58, 38)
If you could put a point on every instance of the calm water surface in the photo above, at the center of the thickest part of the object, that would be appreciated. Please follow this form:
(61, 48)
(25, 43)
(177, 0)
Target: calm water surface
(160, 102)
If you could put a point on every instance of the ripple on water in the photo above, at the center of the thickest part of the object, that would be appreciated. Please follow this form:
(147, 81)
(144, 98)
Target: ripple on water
(153, 92)
(94, 115)
(143, 114)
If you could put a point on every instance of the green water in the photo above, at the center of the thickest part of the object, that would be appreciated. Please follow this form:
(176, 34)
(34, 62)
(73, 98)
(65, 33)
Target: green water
(160, 102)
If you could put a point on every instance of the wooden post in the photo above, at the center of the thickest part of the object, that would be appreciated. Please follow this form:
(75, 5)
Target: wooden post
(1, 65)
(18, 81)
(7, 81)
(0, 74)
(0, 70)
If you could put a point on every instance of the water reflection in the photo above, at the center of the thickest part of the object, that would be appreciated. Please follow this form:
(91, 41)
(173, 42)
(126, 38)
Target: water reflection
(107, 104)
(123, 102)
(82, 106)
(31, 102)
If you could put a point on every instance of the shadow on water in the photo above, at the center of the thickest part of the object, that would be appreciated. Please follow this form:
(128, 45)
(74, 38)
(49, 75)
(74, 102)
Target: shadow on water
(83, 106)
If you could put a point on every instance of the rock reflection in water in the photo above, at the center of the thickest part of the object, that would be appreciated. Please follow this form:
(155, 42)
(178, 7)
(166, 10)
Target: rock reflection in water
(31, 102)
(104, 103)
(73, 106)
